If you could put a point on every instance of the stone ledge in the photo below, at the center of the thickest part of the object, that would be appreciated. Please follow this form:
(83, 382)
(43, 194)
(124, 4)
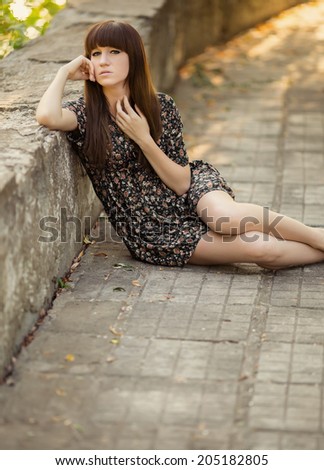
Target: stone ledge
(39, 175)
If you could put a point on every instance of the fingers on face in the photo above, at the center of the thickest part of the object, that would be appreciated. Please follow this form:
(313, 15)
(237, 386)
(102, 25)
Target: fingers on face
(88, 69)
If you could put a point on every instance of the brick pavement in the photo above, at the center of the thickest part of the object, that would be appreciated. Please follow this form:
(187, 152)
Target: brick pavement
(134, 356)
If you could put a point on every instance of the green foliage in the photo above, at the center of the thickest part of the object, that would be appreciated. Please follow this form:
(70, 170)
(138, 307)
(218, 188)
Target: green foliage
(62, 284)
(19, 25)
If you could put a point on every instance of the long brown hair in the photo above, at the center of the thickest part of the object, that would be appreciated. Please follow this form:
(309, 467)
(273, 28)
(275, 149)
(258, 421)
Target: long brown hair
(124, 37)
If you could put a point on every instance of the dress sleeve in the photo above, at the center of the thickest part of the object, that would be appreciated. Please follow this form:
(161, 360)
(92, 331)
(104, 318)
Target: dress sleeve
(171, 141)
(77, 136)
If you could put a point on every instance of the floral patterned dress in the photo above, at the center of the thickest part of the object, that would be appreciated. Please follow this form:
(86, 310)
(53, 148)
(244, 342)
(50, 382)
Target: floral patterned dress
(156, 225)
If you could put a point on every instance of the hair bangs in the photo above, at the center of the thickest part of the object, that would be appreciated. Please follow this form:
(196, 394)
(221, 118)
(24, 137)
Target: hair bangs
(106, 34)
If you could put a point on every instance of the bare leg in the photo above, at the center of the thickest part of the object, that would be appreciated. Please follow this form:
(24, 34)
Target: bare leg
(262, 249)
(225, 216)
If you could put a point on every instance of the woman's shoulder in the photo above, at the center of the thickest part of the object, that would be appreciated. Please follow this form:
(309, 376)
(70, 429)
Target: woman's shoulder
(166, 100)
(169, 109)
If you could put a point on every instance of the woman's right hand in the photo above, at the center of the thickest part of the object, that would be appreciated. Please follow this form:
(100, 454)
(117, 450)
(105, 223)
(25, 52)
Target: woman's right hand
(49, 110)
(80, 68)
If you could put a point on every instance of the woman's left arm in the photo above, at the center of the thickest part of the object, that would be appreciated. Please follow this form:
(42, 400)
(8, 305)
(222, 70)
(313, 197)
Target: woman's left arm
(134, 124)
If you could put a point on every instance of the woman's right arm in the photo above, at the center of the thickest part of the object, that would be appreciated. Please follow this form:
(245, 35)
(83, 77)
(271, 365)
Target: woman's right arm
(49, 111)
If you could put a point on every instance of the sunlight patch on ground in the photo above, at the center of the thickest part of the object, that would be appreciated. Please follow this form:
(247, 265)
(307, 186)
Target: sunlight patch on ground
(269, 58)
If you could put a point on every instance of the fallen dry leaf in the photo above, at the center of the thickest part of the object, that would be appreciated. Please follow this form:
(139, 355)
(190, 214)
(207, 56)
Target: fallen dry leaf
(60, 392)
(10, 381)
(243, 377)
(114, 341)
(86, 240)
(127, 267)
(101, 253)
(169, 296)
(75, 265)
(70, 358)
(136, 283)
(57, 419)
(110, 359)
(115, 332)
(126, 308)
(32, 420)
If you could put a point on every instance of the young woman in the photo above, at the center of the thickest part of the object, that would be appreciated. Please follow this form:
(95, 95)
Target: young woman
(129, 139)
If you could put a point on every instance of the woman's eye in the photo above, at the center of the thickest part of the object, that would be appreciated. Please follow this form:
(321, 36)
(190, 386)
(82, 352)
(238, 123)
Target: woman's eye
(95, 53)
(115, 51)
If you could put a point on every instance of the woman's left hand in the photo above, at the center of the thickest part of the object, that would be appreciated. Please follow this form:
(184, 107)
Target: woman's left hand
(134, 124)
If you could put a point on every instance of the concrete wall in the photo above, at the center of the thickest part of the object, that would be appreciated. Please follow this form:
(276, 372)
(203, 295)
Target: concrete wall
(183, 28)
(38, 174)
(242, 14)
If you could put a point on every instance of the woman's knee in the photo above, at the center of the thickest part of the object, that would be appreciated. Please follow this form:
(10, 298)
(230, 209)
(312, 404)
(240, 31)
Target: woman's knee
(220, 213)
(227, 217)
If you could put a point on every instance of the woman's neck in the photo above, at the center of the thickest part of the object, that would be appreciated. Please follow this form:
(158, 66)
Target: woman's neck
(113, 95)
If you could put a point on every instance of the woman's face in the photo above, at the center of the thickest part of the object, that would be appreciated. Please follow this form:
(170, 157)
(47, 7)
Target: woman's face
(111, 67)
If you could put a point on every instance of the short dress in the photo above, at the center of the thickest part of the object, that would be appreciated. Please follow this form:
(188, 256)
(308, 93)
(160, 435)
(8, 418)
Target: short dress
(156, 225)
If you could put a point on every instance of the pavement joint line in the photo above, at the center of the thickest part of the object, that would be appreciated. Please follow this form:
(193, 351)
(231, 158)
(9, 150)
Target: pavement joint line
(223, 312)
(289, 381)
(197, 340)
(195, 303)
(251, 358)
(322, 399)
(279, 161)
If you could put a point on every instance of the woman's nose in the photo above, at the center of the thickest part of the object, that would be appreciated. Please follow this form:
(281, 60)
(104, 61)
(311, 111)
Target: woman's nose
(104, 59)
